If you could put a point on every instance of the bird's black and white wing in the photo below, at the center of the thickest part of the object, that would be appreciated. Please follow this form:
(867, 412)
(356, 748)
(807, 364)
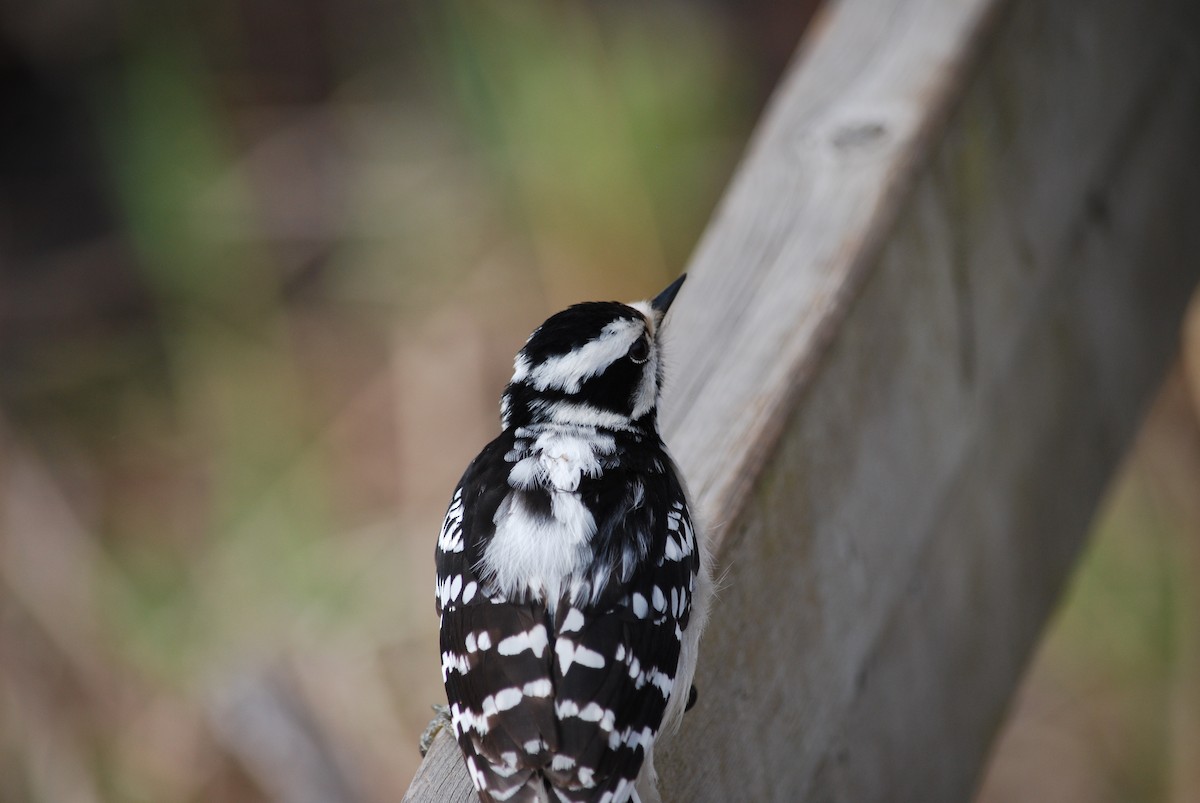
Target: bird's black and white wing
(495, 653)
(617, 661)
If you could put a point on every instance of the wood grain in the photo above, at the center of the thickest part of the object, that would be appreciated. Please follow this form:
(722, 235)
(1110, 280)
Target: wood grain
(442, 775)
(915, 340)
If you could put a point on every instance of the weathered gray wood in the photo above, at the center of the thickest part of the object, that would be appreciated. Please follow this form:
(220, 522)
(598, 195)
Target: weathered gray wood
(984, 367)
(914, 341)
(442, 775)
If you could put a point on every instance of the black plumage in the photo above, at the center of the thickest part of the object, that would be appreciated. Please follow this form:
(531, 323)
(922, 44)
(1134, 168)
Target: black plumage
(568, 569)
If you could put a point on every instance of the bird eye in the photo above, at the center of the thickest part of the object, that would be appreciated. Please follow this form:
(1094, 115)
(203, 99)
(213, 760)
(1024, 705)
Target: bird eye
(639, 352)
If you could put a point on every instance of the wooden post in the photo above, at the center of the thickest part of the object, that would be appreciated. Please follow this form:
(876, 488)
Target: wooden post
(915, 340)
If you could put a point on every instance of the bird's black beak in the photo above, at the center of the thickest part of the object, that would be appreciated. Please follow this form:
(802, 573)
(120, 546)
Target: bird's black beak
(662, 301)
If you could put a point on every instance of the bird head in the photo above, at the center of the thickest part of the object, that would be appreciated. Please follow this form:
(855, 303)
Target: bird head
(593, 364)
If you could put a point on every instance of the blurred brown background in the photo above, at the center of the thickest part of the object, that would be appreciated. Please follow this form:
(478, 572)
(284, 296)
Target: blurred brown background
(263, 268)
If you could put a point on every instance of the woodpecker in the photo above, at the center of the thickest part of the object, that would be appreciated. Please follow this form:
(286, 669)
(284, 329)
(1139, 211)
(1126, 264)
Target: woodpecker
(572, 583)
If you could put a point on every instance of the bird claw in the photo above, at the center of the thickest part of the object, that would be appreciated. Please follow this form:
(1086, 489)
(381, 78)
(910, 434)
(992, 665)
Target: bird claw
(441, 719)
